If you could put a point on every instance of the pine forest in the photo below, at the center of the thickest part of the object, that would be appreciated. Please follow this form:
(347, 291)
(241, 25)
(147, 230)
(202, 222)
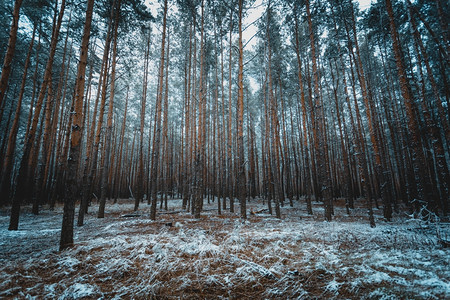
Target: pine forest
(224, 149)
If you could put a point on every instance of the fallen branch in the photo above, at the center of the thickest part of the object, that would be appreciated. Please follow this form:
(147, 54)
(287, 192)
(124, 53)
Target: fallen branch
(258, 211)
(180, 211)
(170, 212)
(130, 216)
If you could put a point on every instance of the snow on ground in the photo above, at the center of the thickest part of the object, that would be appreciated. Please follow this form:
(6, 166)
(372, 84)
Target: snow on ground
(222, 257)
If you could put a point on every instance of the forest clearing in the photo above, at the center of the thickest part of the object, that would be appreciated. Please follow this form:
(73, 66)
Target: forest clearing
(223, 257)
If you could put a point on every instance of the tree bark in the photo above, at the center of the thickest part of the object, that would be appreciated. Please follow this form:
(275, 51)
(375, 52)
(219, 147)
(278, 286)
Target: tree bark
(11, 48)
(240, 124)
(75, 143)
(157, 130)
(140, 177)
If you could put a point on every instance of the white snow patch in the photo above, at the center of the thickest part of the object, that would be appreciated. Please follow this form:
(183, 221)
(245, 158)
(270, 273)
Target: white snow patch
(80, 290)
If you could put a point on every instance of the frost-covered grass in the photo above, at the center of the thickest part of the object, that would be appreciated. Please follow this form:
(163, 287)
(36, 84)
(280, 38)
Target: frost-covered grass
(299, 256)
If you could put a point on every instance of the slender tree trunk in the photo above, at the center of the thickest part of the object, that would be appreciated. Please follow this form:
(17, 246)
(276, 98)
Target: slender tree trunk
(240, 124)
(187, 123)
(199, 160)
(230, 180)
(157, 130)
(165, 141)
(24, 169)
(11, 49)
(118, 177)
(319, 143)
(109, 122)
(140, 179)
(51, 107)
(102, 93)
(304, 117)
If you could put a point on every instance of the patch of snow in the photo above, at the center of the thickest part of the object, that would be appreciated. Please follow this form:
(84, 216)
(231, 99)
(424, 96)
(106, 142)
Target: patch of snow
(377, 277)
(80, 290)
(67, 263)
(435, 283)
(333, 287)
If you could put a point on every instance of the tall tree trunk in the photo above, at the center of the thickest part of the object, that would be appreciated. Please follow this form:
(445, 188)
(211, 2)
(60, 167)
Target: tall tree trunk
(304, 118)
(75, 143)
(320, 140)
(23, 177)
(240, 124)
(119, 178)
(187, 122)
(230, 180)
(166, 164)
(11, 48)
(109, 121)
(51, 107)
(93, 147)
(157, 130)
(199, 160)
(140, 179)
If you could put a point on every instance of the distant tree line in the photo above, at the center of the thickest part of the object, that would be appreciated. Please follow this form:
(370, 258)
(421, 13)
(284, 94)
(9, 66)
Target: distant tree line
(103, 99)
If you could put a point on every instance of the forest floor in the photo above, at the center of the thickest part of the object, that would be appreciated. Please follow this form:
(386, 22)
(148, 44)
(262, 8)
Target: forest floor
(221, 257)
